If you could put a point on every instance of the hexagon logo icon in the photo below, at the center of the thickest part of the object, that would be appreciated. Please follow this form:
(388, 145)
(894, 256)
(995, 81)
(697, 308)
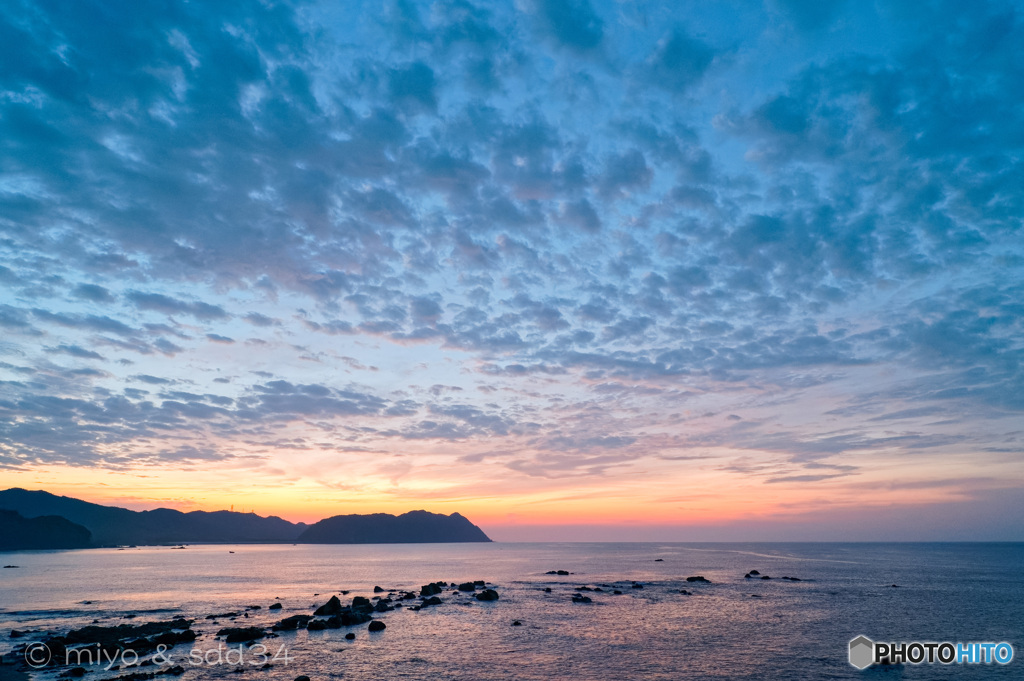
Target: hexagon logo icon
(862, 652)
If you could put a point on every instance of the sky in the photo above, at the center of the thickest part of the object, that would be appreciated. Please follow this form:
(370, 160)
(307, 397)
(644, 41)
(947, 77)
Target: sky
(575, 269)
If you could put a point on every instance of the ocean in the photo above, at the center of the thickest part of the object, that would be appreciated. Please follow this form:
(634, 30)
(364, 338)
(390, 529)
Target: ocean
(730, 628)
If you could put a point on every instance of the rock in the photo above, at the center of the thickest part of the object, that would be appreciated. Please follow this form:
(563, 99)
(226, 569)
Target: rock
(637, 585)
(748, 576)
(583, 588)
(361, 603)
(765, 577)
(617, 592)
(331, 607)
(316, 625)
(10, 567)
(377, 625)
(430, 590)
(352, 618)
(223, 615)
(659, 560)
(254, 607)
(685, 592)
(433, 600)
(467, 586)
(894, 586)
(349, 636)
(479, 582)
(547, 589)
(75, 673)
(17, 634)
(302, 678)
(580, 598)
(383, 606)
(377, 590)
(698, 578)
(754, 572)
(516, 623)
(274, 606)
(292, 623)
(755, 595)
(242, 634)
(487, 595)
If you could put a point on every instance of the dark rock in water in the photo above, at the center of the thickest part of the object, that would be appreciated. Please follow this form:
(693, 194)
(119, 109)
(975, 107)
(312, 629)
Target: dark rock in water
(698, 578)
(242, 634)
(377, 590)
(597, 588)
(637, 585)
(467, 586)
(547, 589)
(173, 638)
(331, 607)
(302, 678)
(433, 600)
(557, 572)
(349, 619)
(377, 625)
(580, 598)
(583, 588)
(17, 634)
(755, 595)
(223, 615)
(9, 567)
(479, 582)
(659, 560)
(516, 623)
(75, 673)
(765, 577)
(274, 606)
(894, 586)
(382, 607)
(292, 623)
(361, 603)
(754, 572)
(487, 595)
(617, 592)
(254, 607)
(685, 592)
(748, 576)
(563, 572)
(316, 625)
(349, 636)
(430, 590)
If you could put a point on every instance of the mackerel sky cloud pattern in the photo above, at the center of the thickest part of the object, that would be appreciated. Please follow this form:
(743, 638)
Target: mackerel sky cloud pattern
(518, 255)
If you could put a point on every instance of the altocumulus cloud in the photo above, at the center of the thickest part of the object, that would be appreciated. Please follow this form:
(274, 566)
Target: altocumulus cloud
(549, 200)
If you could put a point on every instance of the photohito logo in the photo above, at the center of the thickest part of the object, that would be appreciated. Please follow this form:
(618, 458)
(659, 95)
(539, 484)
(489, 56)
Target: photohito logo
(864, 652)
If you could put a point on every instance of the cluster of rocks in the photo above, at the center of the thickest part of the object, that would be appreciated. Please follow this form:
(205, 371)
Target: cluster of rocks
(109, 642)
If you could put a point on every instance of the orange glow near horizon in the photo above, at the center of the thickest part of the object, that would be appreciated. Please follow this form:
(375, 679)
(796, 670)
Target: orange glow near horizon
(651, 493)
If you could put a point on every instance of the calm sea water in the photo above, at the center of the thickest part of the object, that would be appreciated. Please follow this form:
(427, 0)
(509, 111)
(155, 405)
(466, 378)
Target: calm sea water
(793, 630)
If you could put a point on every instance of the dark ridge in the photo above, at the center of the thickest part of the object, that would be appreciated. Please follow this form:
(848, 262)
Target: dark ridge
(112, 526)
(383, 528)
(18, 533)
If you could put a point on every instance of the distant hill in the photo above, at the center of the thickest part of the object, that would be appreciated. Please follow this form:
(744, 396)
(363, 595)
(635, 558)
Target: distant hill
(18, 533)
(383, 528)
(112, 526)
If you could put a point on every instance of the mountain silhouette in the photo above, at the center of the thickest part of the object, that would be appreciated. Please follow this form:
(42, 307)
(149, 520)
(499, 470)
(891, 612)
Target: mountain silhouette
(112, 526)
(18, 533)
(383, 528)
